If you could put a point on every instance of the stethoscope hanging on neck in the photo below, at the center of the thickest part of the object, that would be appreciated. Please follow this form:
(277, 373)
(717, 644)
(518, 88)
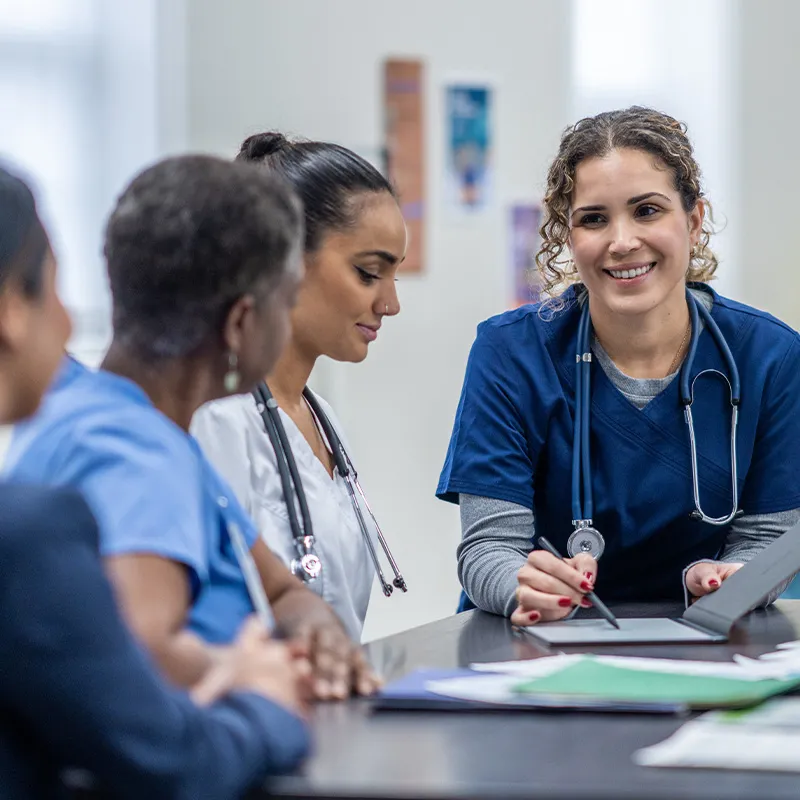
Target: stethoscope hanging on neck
(687, 398)
(307, 565)
(586, 538)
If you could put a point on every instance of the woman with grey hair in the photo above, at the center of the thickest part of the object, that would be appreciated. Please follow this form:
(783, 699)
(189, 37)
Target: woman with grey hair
(203, 261)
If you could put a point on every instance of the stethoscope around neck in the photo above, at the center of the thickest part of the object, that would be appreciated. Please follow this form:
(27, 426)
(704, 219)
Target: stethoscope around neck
(307, 565)
(585, 538)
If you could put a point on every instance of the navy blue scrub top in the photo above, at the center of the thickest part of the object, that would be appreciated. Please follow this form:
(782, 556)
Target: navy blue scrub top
(512, 440)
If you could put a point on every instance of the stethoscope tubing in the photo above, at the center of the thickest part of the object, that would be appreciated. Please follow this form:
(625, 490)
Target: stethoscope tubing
(583, 506)
(292, 485)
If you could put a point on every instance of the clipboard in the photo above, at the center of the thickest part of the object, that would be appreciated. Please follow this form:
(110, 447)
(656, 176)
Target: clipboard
(708, 619)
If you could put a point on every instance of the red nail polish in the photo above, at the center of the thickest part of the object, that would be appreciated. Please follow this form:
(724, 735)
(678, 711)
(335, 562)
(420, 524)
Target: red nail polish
(586, 603)
(588, 576)
(534, 615)
(586, 586)
(564, 602)
(713, 582)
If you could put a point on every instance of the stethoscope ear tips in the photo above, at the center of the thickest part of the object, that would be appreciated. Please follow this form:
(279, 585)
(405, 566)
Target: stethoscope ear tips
(696, 516)
(400, 583)
(387, 588)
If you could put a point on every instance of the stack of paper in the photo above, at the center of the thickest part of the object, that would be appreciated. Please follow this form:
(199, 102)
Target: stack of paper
(620, 683)
(766, 737)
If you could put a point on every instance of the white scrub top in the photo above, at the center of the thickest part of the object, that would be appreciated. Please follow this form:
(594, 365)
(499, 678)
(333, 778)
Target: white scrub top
(232, 434)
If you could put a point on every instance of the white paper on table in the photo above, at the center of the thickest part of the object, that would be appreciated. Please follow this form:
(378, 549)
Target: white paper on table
(546, 665)
(480, 688)
(721, 746)
(772, 665)
(530, 668)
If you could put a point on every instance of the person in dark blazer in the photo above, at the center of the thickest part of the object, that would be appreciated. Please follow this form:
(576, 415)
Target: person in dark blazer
(76, 690)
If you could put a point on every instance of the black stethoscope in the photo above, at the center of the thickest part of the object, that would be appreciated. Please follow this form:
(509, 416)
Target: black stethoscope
(307, 565)
(586, 538)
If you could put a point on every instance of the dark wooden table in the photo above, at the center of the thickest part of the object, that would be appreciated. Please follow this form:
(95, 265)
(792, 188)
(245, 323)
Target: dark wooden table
(511, 754)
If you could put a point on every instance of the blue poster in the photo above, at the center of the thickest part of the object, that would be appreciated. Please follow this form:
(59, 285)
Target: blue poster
(469, 147)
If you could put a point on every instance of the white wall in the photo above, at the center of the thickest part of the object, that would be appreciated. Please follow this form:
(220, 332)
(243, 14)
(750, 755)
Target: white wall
(637, 52)
(769, 132)
(314, 67)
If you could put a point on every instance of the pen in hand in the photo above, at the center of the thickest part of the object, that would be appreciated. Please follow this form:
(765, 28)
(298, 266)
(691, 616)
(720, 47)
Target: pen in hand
(591, 596)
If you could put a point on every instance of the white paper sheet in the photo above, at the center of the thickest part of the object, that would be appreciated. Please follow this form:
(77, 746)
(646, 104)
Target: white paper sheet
(765, 738)
(724, 748)
(538, 667)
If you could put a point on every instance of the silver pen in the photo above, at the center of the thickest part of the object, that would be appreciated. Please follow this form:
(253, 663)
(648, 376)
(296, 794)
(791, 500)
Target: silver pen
(251, 577)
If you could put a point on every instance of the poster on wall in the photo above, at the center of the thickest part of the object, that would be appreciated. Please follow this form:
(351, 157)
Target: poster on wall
(468, 159)
(524, 221)
(404, 149)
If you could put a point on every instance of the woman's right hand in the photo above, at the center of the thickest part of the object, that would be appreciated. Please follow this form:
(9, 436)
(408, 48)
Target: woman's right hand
(256, 663)
(550, 588)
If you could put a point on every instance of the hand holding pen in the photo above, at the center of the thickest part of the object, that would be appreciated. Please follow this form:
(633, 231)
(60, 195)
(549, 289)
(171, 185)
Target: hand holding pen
(551, 586)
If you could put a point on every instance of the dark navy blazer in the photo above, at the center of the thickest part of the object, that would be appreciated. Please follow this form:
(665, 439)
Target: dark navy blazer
(76, 690)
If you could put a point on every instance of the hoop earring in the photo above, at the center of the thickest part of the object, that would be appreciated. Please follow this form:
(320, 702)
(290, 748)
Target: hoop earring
(232, 377)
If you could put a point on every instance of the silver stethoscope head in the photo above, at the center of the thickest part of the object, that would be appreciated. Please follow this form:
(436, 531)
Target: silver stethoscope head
(585, 539)
(307, 566)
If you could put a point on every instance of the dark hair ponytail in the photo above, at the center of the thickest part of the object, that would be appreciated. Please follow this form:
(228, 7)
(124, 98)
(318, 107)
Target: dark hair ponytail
(23, 241)
(327, 178)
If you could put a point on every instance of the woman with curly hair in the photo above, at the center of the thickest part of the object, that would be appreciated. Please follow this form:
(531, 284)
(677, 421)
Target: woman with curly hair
(629, 320)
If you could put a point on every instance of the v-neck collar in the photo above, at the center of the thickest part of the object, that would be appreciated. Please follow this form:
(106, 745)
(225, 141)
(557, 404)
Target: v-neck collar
(306, 452)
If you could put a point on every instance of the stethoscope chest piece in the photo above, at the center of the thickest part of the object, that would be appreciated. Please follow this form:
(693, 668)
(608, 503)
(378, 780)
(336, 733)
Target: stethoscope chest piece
(586, 540)
(308, 567)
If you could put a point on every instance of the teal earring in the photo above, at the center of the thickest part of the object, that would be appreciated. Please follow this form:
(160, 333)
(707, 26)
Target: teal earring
(232, 377)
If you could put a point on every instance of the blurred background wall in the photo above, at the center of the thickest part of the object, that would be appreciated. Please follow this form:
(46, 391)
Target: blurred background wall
(92, 90)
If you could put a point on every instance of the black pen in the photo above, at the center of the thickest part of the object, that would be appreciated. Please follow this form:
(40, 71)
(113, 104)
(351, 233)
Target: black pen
(591, 596)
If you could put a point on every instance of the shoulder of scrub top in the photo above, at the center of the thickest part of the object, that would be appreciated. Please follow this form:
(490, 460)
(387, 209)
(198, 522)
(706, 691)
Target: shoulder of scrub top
(533, 343)
(767, 350)
(767, 353)
(224, 429)
(137, 470)
(77, 427)
(741, 322)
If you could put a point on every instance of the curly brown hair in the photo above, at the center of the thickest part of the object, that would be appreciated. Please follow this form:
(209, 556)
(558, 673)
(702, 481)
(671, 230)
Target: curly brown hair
(636, 128)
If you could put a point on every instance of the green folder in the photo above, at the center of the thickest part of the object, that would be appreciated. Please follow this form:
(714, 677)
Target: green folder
(597, 681)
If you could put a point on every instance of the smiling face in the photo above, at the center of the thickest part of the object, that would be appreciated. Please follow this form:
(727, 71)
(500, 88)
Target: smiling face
(630, 236)
(349, 285)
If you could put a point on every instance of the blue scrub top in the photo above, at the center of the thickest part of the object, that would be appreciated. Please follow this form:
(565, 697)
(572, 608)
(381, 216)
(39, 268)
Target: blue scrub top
(512, 440)
(147, 483)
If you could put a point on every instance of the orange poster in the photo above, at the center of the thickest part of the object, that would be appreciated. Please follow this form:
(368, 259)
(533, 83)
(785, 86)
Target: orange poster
(405, 150)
